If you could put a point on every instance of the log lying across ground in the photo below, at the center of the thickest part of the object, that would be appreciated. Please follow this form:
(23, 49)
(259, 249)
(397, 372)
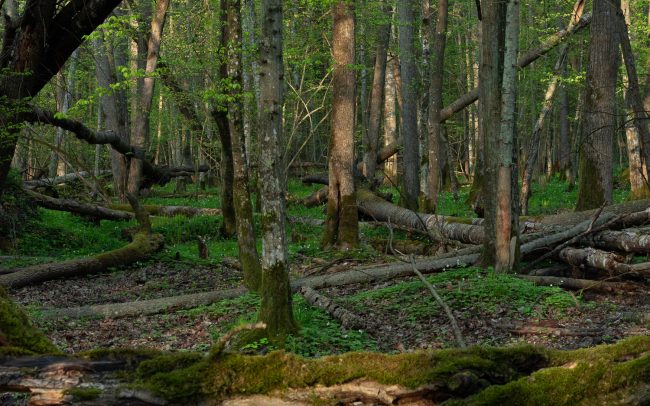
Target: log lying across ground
(524, 374)
(74, 206)
(170, 211)
(59, 180)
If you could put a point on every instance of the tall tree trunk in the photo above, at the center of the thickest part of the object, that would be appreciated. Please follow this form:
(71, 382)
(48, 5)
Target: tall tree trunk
(490, 87)
(638, 136)
(408, 116)
(64, 90)
(342, 227)
(248, 256)
(371, 141)
(276, 309)
(504, 195)
(220, 115)
(390, 120)
(435, 105)
(141, 123)
(595, 172)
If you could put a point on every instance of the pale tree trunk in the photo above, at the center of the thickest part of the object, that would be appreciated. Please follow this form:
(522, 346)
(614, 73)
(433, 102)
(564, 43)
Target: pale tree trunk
(505, 202)
(64, 90)
(371, 141)
(342, 227)
(141, 123)
(249, 19)
(390, 119)
(595, 171)
(248, 256)
(114, 117)
(638, 136)
(565, 142)
(490, 87)
(276, 309)
(408, 117)
(435, 105)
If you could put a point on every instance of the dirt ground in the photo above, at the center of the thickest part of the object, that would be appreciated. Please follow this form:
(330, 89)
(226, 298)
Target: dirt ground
(606, 318)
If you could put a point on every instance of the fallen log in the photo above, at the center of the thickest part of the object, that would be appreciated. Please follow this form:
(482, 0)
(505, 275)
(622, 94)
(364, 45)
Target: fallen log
(74, 206)
(358, 275)
(595, 258)
(170, 211)
(144, 244)
(348, 319)
(626, 241)
(581, 284)
(317, 198)
(59, 180)
(615, 373)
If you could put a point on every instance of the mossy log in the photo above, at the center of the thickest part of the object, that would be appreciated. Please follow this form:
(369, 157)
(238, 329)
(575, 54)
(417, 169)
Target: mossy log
(59, 180)
(520, 375)
(17, 335)
(170, 211)
(74, 206)
(144, 244)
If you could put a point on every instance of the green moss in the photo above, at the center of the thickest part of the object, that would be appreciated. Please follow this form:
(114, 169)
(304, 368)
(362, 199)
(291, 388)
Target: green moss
(17, 331)
(84, 393)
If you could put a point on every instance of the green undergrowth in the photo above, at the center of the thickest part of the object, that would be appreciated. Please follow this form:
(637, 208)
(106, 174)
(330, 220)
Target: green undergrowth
(319, 334)
(466, 290)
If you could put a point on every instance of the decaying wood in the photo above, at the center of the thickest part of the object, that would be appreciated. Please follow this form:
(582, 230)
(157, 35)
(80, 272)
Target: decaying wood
(74, 206)
(557, 270)
(553, 331)
(171, 211)
(582, 284)
(204, 253)
(594, 258)
(348, 319)
(317, 198)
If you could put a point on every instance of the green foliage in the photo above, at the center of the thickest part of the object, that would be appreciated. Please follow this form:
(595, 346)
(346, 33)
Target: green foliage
(84, 393)
(17, 211)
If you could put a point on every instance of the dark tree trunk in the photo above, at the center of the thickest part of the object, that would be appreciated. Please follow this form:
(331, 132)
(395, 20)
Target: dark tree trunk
(408, 118)
(595, 171)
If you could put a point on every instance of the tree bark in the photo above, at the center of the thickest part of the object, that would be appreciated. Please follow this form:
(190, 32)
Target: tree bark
(371, 141)
(342, 227)
(276, 309)
(408, 113)
(390, 120)
(73, 206)
(435, 105)
(248, 255)
(140, 131)
(595, 171)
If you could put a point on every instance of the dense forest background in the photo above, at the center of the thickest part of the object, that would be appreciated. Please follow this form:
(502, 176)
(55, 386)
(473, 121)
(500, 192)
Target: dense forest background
(244, 186)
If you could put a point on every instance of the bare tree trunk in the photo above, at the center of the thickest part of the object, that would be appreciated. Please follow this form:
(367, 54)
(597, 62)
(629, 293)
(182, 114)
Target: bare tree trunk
(371, 141)
(390, 119)
(276, 308)
(595, 172)
(408, 117)
(141, 123)
(435, 105)
(342, 227)
(241, 194)
(64, 90)
(638, 136)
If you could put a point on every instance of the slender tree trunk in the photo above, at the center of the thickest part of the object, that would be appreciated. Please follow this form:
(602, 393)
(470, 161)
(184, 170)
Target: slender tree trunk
(435, 105)
(638, 136)
(141, 123)
(65, 88)
(276, 309)
(371, 141)
(248, 256)
(390, 120)
(408, 117)
(507, 218)
(342, 227)
(595, 172)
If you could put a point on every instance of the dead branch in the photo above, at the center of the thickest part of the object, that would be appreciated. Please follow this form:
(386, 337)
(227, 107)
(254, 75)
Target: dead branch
(582, 284)
(348, 319)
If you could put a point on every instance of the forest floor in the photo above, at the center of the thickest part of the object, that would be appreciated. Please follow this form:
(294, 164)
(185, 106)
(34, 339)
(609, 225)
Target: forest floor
(401, 315)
